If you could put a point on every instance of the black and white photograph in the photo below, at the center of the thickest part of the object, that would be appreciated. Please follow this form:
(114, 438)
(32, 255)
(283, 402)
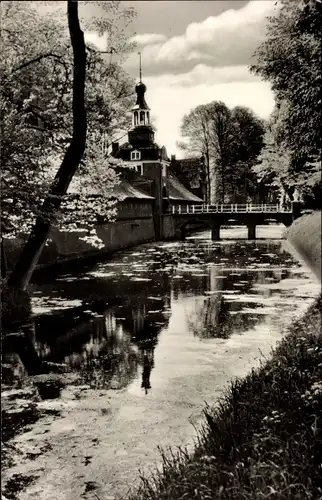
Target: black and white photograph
(160, 205)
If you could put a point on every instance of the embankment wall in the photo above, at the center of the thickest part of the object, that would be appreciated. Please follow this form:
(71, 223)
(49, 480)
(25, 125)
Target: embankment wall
(115, 236)
(305, 236)
(168, 228)
(69, 245)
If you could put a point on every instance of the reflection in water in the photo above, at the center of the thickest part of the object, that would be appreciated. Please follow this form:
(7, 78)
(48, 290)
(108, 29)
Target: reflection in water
(126, 303)
(148, 364)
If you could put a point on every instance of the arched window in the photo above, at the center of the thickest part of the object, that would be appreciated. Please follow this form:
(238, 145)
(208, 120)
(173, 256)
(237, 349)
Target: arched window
(142, 117)
(136, 117)
(148, 116)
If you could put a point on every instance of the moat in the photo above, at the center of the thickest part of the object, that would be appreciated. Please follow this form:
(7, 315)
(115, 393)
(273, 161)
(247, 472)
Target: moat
(147, 338)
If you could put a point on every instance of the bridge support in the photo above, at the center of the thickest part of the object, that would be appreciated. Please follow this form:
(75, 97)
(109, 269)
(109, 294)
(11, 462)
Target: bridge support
(215, 233)
(252, 232)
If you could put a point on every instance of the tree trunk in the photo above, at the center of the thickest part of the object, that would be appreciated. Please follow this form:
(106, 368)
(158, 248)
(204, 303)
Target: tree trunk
(222, 182)
(4, 266)
(208, 191)
(26, 264)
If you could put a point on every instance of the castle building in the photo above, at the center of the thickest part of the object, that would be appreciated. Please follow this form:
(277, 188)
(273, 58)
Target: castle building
(151, 163)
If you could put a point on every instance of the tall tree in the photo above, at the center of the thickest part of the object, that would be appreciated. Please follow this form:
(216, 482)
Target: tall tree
(290, 59)
(24, 268)
(197, 135)
(246, 143)
(221, 127)
(230, 141)
(272, 169)
(36, 101)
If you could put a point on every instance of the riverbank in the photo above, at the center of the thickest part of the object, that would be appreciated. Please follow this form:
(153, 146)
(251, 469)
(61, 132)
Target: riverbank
(213, 309)
(264, 439)
(305, 236)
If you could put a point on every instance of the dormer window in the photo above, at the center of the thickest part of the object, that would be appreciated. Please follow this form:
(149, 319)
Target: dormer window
(135, 155)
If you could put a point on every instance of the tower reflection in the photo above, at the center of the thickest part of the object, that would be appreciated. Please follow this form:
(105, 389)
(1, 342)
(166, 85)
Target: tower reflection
(106, 345)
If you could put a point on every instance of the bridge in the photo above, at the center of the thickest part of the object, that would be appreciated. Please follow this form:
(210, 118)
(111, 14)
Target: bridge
(215, 216)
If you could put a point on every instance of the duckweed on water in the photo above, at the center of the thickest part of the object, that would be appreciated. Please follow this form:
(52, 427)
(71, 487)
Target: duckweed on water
(264, 439)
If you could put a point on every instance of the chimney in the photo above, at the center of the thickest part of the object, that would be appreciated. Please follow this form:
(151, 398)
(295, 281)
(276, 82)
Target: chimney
(173, 158)
(115, 148)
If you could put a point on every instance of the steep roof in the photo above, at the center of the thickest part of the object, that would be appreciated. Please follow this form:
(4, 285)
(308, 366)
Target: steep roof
(127, 190)
(121, 191)
(177, 192)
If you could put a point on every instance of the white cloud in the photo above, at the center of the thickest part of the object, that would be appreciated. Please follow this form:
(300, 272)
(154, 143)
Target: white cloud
(99, 41)
(227, 39)
(206, 63)
(206, 75)
(148, 39)
(169, 100)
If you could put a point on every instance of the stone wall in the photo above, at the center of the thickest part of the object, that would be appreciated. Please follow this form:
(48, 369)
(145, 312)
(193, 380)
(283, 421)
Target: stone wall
(141, 209)
(69, 244)
(305, 236)
(115, 236)
(168, 228)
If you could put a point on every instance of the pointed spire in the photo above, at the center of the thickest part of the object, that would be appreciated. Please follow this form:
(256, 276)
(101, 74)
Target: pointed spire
(140, 66)
(141, 111)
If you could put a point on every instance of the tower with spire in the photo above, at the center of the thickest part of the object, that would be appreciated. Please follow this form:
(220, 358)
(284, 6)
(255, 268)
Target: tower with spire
(142, 133)
(141, 111)
(141, 154)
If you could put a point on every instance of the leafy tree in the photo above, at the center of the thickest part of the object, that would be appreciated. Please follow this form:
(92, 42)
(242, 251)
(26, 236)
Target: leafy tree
(272, 169)
(230, 141)
(244, 148)
(36, 95)
(222, 129)
(197, 135)
(43, 103)
(290, 59)
(23, 270)
(35, 99)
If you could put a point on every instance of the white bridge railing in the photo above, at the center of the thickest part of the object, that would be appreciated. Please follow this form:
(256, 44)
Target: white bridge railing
(229, 208)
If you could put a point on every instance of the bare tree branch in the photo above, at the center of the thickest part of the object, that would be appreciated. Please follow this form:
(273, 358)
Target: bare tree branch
(35, 60)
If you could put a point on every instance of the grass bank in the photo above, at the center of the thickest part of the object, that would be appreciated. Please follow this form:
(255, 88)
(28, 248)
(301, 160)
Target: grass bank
(305, 236)
(264, 438)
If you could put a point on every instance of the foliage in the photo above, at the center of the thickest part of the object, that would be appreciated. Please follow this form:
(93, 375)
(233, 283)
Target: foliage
(272, 170)
(191, 172)
(287, 173)
(35, 102)
(263, 439)
(290, 59)
(196, 132)
(230, 142)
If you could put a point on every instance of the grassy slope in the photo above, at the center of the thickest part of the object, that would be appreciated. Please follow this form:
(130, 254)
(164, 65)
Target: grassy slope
(305, 235)
(264, 440)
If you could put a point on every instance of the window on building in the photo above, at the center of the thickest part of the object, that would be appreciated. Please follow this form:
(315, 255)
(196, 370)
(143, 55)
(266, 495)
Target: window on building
(148, 116)
(142, 117)
(136, 117)
(139, 169)
(135, 155)
(164, 170)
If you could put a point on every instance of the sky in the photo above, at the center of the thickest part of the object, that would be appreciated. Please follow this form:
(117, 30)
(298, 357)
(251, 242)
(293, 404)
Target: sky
(195, 52)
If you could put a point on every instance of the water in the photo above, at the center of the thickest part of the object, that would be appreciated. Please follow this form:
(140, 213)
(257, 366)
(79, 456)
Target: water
(150, 336)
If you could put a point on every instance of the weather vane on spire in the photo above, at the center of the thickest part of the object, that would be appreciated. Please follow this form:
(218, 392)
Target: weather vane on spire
(140, 66)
